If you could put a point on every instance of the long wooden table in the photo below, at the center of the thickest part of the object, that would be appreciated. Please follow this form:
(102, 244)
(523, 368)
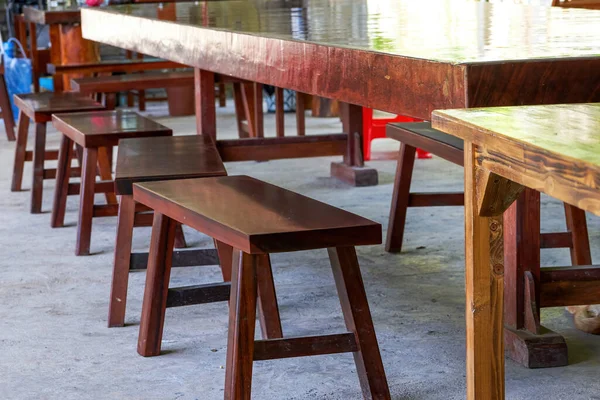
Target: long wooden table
(404, 57)
(552, 149)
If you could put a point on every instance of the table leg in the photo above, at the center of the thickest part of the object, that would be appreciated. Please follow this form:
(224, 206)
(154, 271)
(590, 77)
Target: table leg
(352, 170)
(206, 114)
(487, 196)
(527, 342)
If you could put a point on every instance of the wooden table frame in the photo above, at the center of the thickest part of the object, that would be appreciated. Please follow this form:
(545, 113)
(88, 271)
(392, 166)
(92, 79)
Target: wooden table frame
(497, 172)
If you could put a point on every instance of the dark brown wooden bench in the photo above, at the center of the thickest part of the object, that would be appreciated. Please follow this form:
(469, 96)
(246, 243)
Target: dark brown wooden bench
(39, 108)
(119, 83)
(414, 135)
(147, 160)
(254, 219)
(95, 133)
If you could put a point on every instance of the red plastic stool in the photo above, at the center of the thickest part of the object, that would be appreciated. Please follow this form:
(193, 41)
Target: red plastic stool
(375, 129)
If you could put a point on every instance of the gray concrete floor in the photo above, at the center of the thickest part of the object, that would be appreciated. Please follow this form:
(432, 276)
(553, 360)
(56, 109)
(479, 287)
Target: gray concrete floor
(54, 343)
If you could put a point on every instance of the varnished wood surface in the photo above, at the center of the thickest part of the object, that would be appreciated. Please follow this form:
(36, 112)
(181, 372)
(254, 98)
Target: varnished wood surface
(113, 66)
(553, 149)
(153, 159)
(263, 219)
(398, 56)
(106, 128)
(116, 83)
(40, 106)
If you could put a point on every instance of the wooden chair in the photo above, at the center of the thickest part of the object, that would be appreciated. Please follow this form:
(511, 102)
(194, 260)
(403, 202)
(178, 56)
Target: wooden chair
(450, 148)
(5, 107)
(94, 132)
(147, 160)
(591, 4)
(39, 108)
(253, 219)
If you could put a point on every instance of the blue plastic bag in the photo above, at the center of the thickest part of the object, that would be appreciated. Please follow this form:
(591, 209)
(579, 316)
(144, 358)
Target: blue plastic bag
(18, 72)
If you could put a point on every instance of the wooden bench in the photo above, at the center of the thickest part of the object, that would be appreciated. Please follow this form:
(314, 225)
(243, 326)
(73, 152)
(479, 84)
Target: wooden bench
(117, 83)
(39, 108)
(94, 132)
(254, 219)
(147, 160)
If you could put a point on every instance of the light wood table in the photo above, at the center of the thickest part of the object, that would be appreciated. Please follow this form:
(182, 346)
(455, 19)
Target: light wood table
(552, 149)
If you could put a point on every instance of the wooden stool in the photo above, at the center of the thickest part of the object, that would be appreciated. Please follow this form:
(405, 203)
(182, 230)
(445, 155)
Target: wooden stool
(95, 132)
(39, 108)
(450, 148)
(256, 219)
(146, 160)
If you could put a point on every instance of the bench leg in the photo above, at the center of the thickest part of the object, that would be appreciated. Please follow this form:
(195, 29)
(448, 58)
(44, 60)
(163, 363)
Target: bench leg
(242, 323)
(7, 114)
(179, 237)
(142, 100)
(20, 150)
(240, 113)
(300, 114)
(270, 322)
(118, 290)
(39, 156)
(86, 202)
(357, 316)
(577, 226)
(222, 95)
(105, 171)
(63, 172)
(279, 113)
(157, 285)
(400, 198)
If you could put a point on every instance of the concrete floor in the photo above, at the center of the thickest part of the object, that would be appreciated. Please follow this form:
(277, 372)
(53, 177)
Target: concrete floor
(54, 343)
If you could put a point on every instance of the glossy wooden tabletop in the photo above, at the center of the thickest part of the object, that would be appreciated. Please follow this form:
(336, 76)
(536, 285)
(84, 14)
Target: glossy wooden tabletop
(260, 216)
(554, 149)
(401, 56)
(452, 31)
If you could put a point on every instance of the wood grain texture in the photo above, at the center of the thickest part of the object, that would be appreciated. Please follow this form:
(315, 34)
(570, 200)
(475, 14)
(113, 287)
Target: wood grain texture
(526, 145)
(265, 218)
(484, 292)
